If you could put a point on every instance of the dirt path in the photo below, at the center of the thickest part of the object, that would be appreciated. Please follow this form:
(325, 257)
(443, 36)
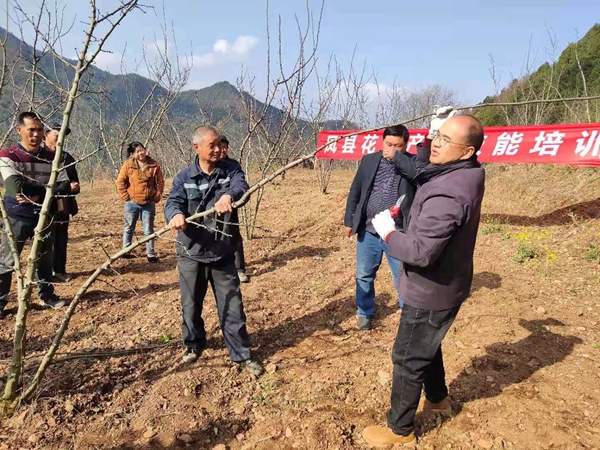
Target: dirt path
(523, 358)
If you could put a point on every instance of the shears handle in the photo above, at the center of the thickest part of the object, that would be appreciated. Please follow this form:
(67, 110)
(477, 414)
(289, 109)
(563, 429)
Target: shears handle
(394, 210)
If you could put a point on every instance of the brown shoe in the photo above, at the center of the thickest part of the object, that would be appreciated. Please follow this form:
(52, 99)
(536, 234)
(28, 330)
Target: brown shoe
(382, 437)
(442, 407)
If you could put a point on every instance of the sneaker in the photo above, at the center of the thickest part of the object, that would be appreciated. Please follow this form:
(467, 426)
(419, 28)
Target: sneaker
(190, 355)
(363, 323)
(442, 407)
(382, 436)
(243, 277)
(54, 302)
(253, 367)
(152, 258)
(62, 277)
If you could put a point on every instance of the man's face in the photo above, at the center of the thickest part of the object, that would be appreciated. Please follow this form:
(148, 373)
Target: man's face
(51, 140)
(32, 134)
(450, 144)
(224, 150)
(209, 150)
(393, 144)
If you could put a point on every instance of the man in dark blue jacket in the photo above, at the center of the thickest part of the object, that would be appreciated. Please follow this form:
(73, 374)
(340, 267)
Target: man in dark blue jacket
(206, 248)
(378, 184)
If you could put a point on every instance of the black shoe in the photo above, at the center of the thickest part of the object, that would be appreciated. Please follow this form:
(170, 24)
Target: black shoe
(62, 277)
(363, 323)
(128, 256)
(253, 367)
(190, 355)
(152, 258)
(54, 301)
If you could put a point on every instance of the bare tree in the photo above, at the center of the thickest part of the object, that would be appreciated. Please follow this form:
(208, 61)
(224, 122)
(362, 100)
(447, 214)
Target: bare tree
(271, 132)
(91, 47)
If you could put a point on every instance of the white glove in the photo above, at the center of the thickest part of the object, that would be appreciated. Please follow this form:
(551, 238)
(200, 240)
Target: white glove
(437, 120)
(384, 223)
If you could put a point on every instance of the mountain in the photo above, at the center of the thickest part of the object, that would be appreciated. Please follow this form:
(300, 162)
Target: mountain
(575, 73)
(120, 95)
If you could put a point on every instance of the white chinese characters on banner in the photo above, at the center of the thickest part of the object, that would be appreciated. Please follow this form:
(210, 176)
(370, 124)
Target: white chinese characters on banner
(548, 143)
(349, 144)
(331, 144)
(414, 140)
(588, 142)
(482, 144)
(370, 143)
(508, 144)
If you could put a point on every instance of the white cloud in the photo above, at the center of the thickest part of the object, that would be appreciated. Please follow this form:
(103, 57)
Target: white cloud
(158, 47)
(244, 44)
(224, 52)
(109, 61)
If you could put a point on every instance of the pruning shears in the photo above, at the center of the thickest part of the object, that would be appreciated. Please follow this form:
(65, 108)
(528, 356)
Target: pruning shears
(396, 209)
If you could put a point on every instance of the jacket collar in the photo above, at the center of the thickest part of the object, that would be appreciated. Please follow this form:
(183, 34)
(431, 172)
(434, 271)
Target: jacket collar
(431, 171)
(149, 162)
(195, 170)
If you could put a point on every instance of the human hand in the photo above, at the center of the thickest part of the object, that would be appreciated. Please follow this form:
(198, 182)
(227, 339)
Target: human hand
(224, 205)
(384, 223)
(178, 222)
(437, 120)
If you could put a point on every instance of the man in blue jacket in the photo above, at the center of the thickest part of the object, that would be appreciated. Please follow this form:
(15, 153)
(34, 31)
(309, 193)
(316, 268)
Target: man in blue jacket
(206, 248)
(378, 184)
(437, 250)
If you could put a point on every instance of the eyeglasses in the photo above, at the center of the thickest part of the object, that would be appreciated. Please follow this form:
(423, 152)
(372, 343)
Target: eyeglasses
(445, 142)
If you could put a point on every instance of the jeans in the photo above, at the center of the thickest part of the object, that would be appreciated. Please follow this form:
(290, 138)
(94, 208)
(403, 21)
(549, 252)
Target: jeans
(369, 253)
(194, 278)
(132, 213)
(418, 362)
(23, 230)
(61, 239)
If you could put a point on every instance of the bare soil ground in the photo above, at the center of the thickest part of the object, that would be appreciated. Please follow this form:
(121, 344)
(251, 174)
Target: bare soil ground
(522, 359)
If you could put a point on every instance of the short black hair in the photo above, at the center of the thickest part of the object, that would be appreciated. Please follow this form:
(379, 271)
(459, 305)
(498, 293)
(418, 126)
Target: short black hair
(397, 130)
(224, 140)
(27, 115)
(131, 147)
(56, 126)
(475, 133)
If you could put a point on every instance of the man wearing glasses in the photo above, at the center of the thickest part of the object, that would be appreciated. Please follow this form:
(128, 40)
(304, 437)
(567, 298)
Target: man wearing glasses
(437, 251)
(378, 185)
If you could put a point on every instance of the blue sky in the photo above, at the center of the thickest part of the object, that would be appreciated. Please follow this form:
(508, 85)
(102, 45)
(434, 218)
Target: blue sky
(414, 43)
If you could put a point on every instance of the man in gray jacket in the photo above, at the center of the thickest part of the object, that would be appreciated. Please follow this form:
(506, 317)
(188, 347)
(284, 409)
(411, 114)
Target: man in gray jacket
(437, 251)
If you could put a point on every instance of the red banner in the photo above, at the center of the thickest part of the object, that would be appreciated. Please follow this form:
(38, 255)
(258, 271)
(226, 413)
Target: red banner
(576, 144)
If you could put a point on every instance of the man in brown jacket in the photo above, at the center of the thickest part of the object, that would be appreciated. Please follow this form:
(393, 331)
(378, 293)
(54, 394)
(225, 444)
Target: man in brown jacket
(140, 183)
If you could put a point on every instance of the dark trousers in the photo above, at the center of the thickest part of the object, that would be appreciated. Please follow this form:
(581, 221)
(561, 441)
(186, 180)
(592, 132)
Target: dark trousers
(23, 230)
(194, 278)
(418, 363)
(240, 260)
(61, 239)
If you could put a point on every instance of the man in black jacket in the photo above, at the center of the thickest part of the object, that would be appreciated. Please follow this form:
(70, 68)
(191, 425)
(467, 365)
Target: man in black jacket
(437, 250)
(26, 169)
(378, 184)
(206, 247)
(67, 206)
(240, 260)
